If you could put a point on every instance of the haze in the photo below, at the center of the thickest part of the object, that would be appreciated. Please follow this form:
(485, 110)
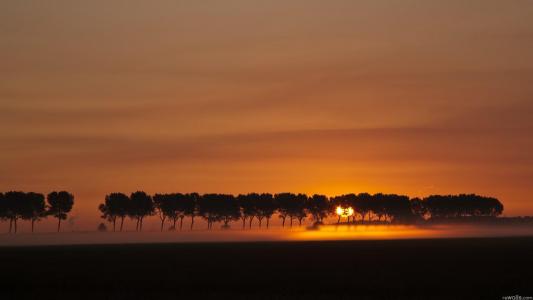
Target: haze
(413, 97)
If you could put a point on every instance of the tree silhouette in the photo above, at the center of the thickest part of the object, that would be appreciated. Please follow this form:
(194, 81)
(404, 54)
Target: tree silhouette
(190, 206)
(396, 207)
(182, 205)
(419, 208)
(14, 201)
(34, 208)
(227, 209)
(177, 209)
(141, 206)
(362, 205)
(17, 205)
(390, 208)
(162, 205)
(172, 208)
(101, 227)
(292, 206)
(207, 208)
(284, 201)
(344, 201)
(59, 205)
(463, 205)
(300, 211)
(248, 209)
(319, 207)
(265, 208)
(488, 206)
(3, 208)
(116, 205)
(379, 206)
(386, 207)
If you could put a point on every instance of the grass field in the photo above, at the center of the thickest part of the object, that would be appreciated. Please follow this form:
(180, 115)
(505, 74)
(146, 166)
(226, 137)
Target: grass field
(482, 268)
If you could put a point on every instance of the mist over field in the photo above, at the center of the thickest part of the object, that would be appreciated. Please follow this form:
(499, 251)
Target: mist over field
(324, 233)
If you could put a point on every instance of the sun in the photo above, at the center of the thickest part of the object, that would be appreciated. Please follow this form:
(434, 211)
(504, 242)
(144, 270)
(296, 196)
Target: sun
(344, 211)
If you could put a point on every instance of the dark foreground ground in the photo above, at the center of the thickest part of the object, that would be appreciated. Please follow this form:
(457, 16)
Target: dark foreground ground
(486, 268)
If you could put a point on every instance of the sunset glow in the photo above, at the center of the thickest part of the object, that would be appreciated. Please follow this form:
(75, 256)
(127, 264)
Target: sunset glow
(344, 212)
(349, 96)
(255, 149)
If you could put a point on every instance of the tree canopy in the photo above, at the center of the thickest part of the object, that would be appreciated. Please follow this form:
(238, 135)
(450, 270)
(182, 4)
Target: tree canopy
(59, 205)
(252, 208)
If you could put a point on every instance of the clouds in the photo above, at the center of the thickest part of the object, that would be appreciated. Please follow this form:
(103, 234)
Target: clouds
(352, 146)
(494, 162)
(233, 96)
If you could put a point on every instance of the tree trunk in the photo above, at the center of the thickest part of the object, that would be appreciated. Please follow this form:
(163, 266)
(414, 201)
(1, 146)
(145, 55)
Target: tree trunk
(141, 224)
(299, 222)
(283, 223)
(251, 219)
(59, 222)
(260, 221)
(339, 220)
(192, 221)
(10, 225)
(162, 224)
(32, 224)
(244, 223)
(291, 222)
(15, 225)
(121, 223)
(268, 221)
(181, 223)
(114, 222)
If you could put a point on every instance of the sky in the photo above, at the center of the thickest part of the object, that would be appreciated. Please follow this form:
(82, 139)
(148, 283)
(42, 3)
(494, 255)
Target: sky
(414, 97)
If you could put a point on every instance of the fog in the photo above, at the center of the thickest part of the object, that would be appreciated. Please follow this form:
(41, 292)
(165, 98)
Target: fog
(327, 232)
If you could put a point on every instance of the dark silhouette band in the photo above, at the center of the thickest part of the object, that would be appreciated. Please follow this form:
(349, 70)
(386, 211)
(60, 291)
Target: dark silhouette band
(361, 208)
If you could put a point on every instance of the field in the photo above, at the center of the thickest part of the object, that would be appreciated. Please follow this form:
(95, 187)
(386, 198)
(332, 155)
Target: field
(473, 268)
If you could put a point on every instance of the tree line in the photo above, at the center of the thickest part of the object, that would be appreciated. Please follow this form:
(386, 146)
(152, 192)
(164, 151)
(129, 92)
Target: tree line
(15, 205)
(247, 208)
(290, 208)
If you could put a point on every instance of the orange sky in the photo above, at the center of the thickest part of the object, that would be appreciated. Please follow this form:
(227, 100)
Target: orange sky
(413, 97)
